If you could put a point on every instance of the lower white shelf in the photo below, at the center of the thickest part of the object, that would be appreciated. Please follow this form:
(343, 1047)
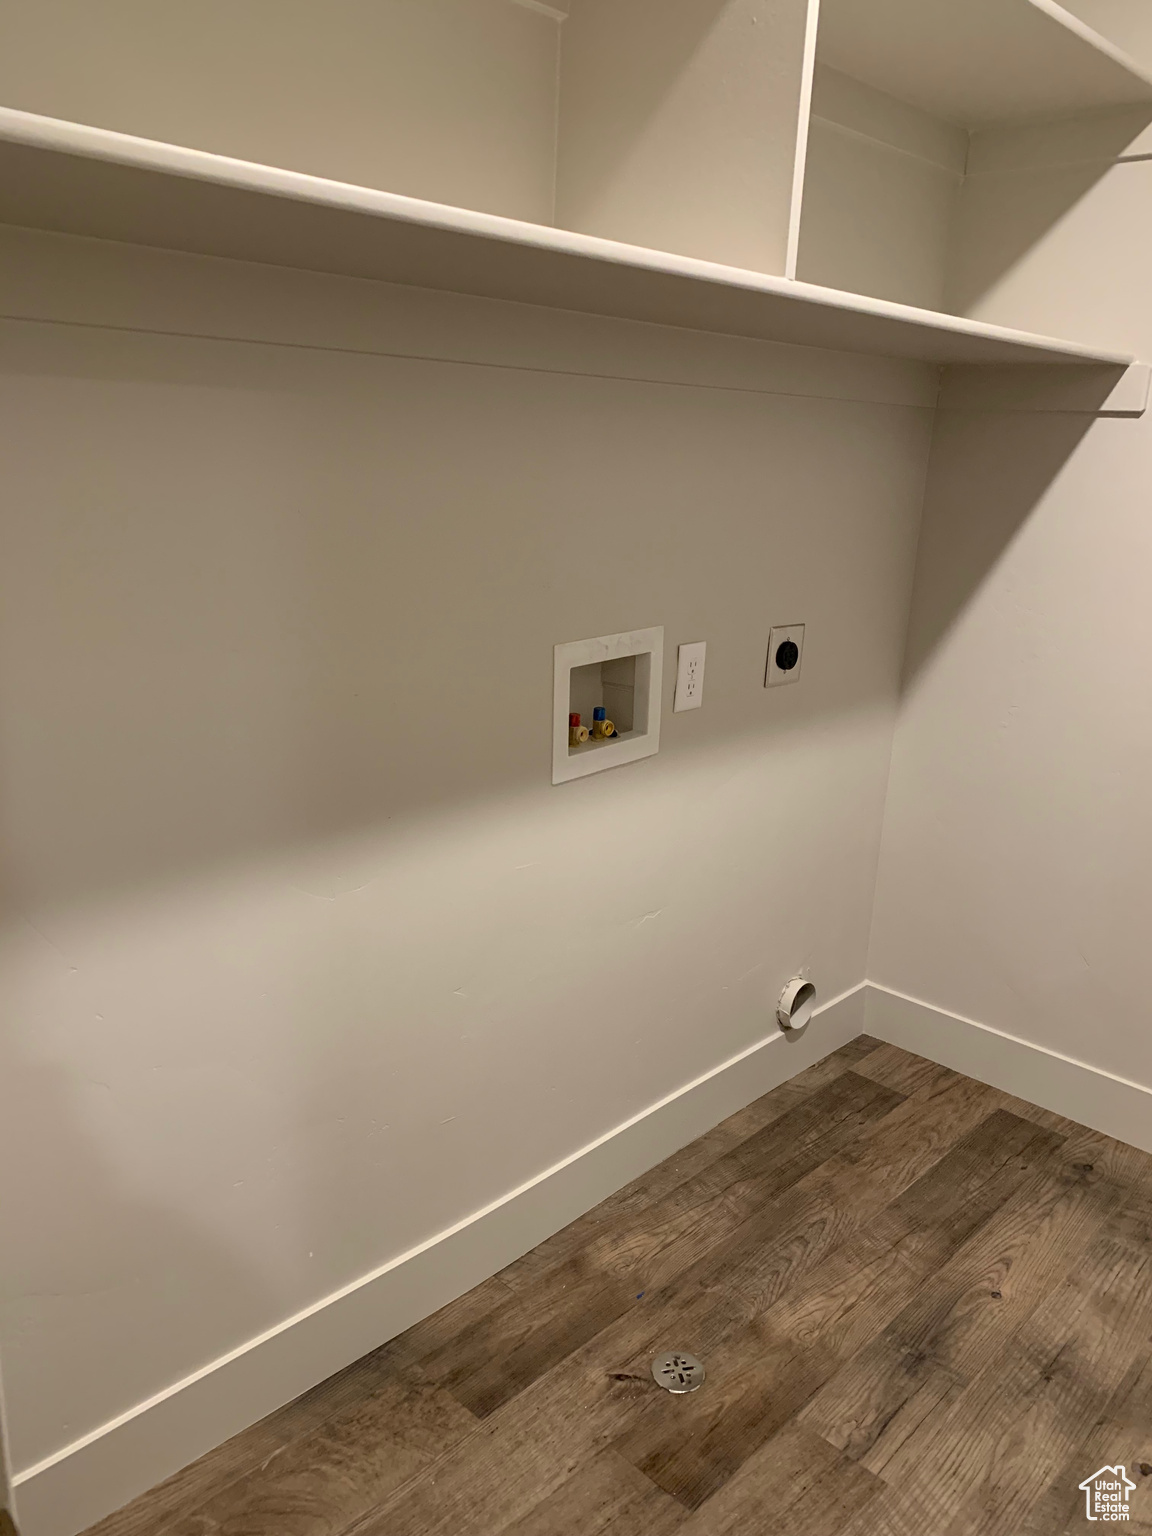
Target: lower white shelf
(75, 179)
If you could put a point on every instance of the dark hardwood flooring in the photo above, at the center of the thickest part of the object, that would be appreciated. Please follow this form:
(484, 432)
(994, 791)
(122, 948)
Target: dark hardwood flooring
(925, 1309)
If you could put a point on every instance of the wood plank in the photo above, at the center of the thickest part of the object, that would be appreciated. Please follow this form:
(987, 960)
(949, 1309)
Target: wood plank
(973, 1179)
(492, 1360)
(1054, 1386)
(757, 1382)
(1122, 1435)
(908, 1073)
(964, 1316)
(618, 1209)
(1045, 1117)
(765, 1372)
(1128, 1166)
(531, 1445)
(518, 1456)
(781, 1490)
(799, 1141)
(902, 1071)
(826, 1207)
(320, 1483)
(606, 1496)
(450, 1322)
(771, 1252)
(855, 1050)
(982, 1297)
(981, 1466)
(221, 1469)
(823, 1511)
(226, 1466)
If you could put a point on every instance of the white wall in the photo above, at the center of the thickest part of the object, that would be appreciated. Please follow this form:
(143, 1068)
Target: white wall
(679, 122)
(880, 193)
(1049, 228)
(1127, 23)
(452, 100)
(1014, 884)
(305, 957)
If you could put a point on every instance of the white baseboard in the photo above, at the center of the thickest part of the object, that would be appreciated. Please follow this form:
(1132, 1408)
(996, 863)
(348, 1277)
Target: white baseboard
(1110, 1104)
(97, 1474)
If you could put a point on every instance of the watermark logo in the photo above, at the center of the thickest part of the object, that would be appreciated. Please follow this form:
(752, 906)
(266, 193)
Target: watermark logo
(1106, 1494)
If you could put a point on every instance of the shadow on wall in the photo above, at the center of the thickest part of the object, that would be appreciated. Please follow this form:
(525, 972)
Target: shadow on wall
(251, 607)
(1004, 213)
(254, 605)
(988, 473)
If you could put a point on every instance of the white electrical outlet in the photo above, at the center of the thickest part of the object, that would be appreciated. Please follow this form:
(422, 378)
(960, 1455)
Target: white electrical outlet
(690, 676)
(785, 655)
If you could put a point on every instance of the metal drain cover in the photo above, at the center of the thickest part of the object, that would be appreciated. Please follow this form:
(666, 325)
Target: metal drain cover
(678, 1372)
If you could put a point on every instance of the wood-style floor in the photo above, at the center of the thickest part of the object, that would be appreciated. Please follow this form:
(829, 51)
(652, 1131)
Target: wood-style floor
(925, 1309)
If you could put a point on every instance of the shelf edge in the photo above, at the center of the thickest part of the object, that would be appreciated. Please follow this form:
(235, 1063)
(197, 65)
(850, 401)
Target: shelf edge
(108, 146)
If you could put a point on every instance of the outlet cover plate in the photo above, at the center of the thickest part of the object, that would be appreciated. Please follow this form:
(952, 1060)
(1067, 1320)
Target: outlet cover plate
(690, 676)
(776, 676)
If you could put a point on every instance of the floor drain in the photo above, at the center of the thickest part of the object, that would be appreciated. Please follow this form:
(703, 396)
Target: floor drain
(678, 1372)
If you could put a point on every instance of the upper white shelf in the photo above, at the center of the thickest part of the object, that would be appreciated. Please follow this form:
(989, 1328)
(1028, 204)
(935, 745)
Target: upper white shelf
(90, 181)
(977, 62)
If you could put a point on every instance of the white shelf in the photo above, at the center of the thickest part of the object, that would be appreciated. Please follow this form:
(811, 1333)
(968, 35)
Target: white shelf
(977, 62)
(89, 181)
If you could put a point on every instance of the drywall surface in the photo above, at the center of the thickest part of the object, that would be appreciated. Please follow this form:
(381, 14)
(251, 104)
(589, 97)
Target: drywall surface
(452, 100)
(679, 123)
(1014, 883)
(1127, 23)
(880, 193)
(962, 62)
(1052, 227)
(304, 957)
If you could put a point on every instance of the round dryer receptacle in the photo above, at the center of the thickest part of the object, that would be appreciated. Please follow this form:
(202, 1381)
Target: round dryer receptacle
(796, 1004)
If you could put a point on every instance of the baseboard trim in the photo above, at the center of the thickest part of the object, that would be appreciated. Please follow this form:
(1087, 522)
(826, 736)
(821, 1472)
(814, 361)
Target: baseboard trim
(88, 1479)
(1114, 1105)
